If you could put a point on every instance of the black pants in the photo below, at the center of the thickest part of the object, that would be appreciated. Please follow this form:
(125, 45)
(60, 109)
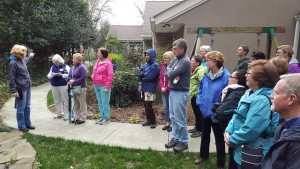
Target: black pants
(205, 140)
(149, 112)
(198, 115)
(232, 164)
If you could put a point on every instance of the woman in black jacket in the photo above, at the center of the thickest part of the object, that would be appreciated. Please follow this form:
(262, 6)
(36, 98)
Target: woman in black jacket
(227, 103)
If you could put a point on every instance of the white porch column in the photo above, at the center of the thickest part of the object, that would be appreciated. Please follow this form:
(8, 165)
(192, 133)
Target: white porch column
(296, 37)
(153, 40)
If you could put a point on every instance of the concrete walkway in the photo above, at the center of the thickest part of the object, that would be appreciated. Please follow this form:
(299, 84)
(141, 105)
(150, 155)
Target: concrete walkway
(113, 134)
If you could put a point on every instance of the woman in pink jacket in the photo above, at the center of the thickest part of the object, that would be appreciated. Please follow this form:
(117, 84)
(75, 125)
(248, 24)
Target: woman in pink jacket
(103, 76)
(163, 84)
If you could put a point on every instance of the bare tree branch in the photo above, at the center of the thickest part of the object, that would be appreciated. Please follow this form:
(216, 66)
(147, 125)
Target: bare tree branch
(99, 8)
(140, 6)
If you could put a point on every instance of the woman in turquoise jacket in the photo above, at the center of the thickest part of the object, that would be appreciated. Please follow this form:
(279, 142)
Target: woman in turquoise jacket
(252, 117)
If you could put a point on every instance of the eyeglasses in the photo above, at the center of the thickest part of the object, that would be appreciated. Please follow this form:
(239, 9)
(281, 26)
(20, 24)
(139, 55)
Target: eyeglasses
(233, 77)
(247, 74)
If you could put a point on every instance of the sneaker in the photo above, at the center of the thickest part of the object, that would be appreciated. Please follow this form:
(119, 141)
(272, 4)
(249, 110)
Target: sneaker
(104, 121)
(169, 129)
(146, 123)
(98, 121)
(192, 130)
(180, 147)
(58, 117)
(171, 144)
(153, 126)
(196, 134)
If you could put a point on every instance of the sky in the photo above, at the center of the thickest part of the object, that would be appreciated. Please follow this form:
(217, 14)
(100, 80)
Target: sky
(124, 12)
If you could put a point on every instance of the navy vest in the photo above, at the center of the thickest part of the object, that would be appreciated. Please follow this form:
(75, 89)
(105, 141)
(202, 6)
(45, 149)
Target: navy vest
(58, 80)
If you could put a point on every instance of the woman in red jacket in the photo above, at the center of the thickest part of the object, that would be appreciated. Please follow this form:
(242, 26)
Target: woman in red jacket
(103, 76)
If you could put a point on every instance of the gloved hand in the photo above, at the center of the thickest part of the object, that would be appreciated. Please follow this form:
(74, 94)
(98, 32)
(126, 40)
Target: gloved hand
(141, 74)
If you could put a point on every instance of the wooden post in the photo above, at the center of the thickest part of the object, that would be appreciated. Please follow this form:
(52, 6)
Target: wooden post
(269, 47)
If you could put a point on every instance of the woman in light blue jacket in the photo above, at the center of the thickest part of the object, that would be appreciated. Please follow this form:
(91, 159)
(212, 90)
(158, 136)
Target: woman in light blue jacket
(252, 124)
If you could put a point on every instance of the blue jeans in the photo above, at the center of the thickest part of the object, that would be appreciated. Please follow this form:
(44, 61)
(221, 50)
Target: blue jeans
(178, 102)
(23, 109)
(103, 99)
(165, 100)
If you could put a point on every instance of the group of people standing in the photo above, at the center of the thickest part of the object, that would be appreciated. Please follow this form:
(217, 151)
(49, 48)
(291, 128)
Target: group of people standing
(241, 108)
(61, 76)
(235, 106)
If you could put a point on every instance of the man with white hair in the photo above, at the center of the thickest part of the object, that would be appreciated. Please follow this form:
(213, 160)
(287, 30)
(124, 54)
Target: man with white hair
(285, 152)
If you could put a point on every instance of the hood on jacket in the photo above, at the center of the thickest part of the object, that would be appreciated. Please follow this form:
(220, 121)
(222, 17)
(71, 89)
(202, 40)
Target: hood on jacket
(12, 57)
(152, 54)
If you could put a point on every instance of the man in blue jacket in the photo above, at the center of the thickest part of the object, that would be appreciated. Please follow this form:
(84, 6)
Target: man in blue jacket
(179, 73)
(149, 76)
(285, 152)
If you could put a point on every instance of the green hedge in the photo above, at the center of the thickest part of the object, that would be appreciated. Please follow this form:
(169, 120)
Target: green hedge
(39, 77)
(125, 89)
(4, 93)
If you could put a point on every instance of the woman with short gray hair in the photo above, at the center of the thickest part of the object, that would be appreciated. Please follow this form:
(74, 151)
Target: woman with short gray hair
(204, 49)
(58, 74)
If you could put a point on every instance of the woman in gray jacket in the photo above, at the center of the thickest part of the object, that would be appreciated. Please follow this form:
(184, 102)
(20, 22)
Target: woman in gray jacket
(20, 85)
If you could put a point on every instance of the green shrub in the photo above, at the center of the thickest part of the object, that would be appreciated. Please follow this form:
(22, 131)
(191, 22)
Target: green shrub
(4, 93)
(115, 57)
(125, 88)
(121, 63)
(39, 77)
(160, 53)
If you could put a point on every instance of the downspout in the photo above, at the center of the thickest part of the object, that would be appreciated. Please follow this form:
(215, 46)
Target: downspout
(296, 37)
(153, 40)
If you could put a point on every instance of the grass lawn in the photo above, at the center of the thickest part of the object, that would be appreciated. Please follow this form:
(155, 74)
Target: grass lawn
(50, 99)
(57, 153)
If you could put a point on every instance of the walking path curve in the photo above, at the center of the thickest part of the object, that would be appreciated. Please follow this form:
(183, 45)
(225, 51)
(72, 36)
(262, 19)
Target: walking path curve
(113, 134)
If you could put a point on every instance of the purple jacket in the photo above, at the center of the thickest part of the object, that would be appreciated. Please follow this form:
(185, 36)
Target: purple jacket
(78, 73)
(294, 66)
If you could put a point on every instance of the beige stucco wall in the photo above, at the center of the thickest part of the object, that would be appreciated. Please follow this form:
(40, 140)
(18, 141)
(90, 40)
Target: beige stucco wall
(240, 13)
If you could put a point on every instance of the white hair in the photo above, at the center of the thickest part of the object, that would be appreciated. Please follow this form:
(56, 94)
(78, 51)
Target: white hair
(206, 48)
(58, 58)
(291, 85)
(169, 54)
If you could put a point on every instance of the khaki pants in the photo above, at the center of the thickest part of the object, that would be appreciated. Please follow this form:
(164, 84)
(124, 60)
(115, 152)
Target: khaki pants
(80, 105)
(60, 96)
